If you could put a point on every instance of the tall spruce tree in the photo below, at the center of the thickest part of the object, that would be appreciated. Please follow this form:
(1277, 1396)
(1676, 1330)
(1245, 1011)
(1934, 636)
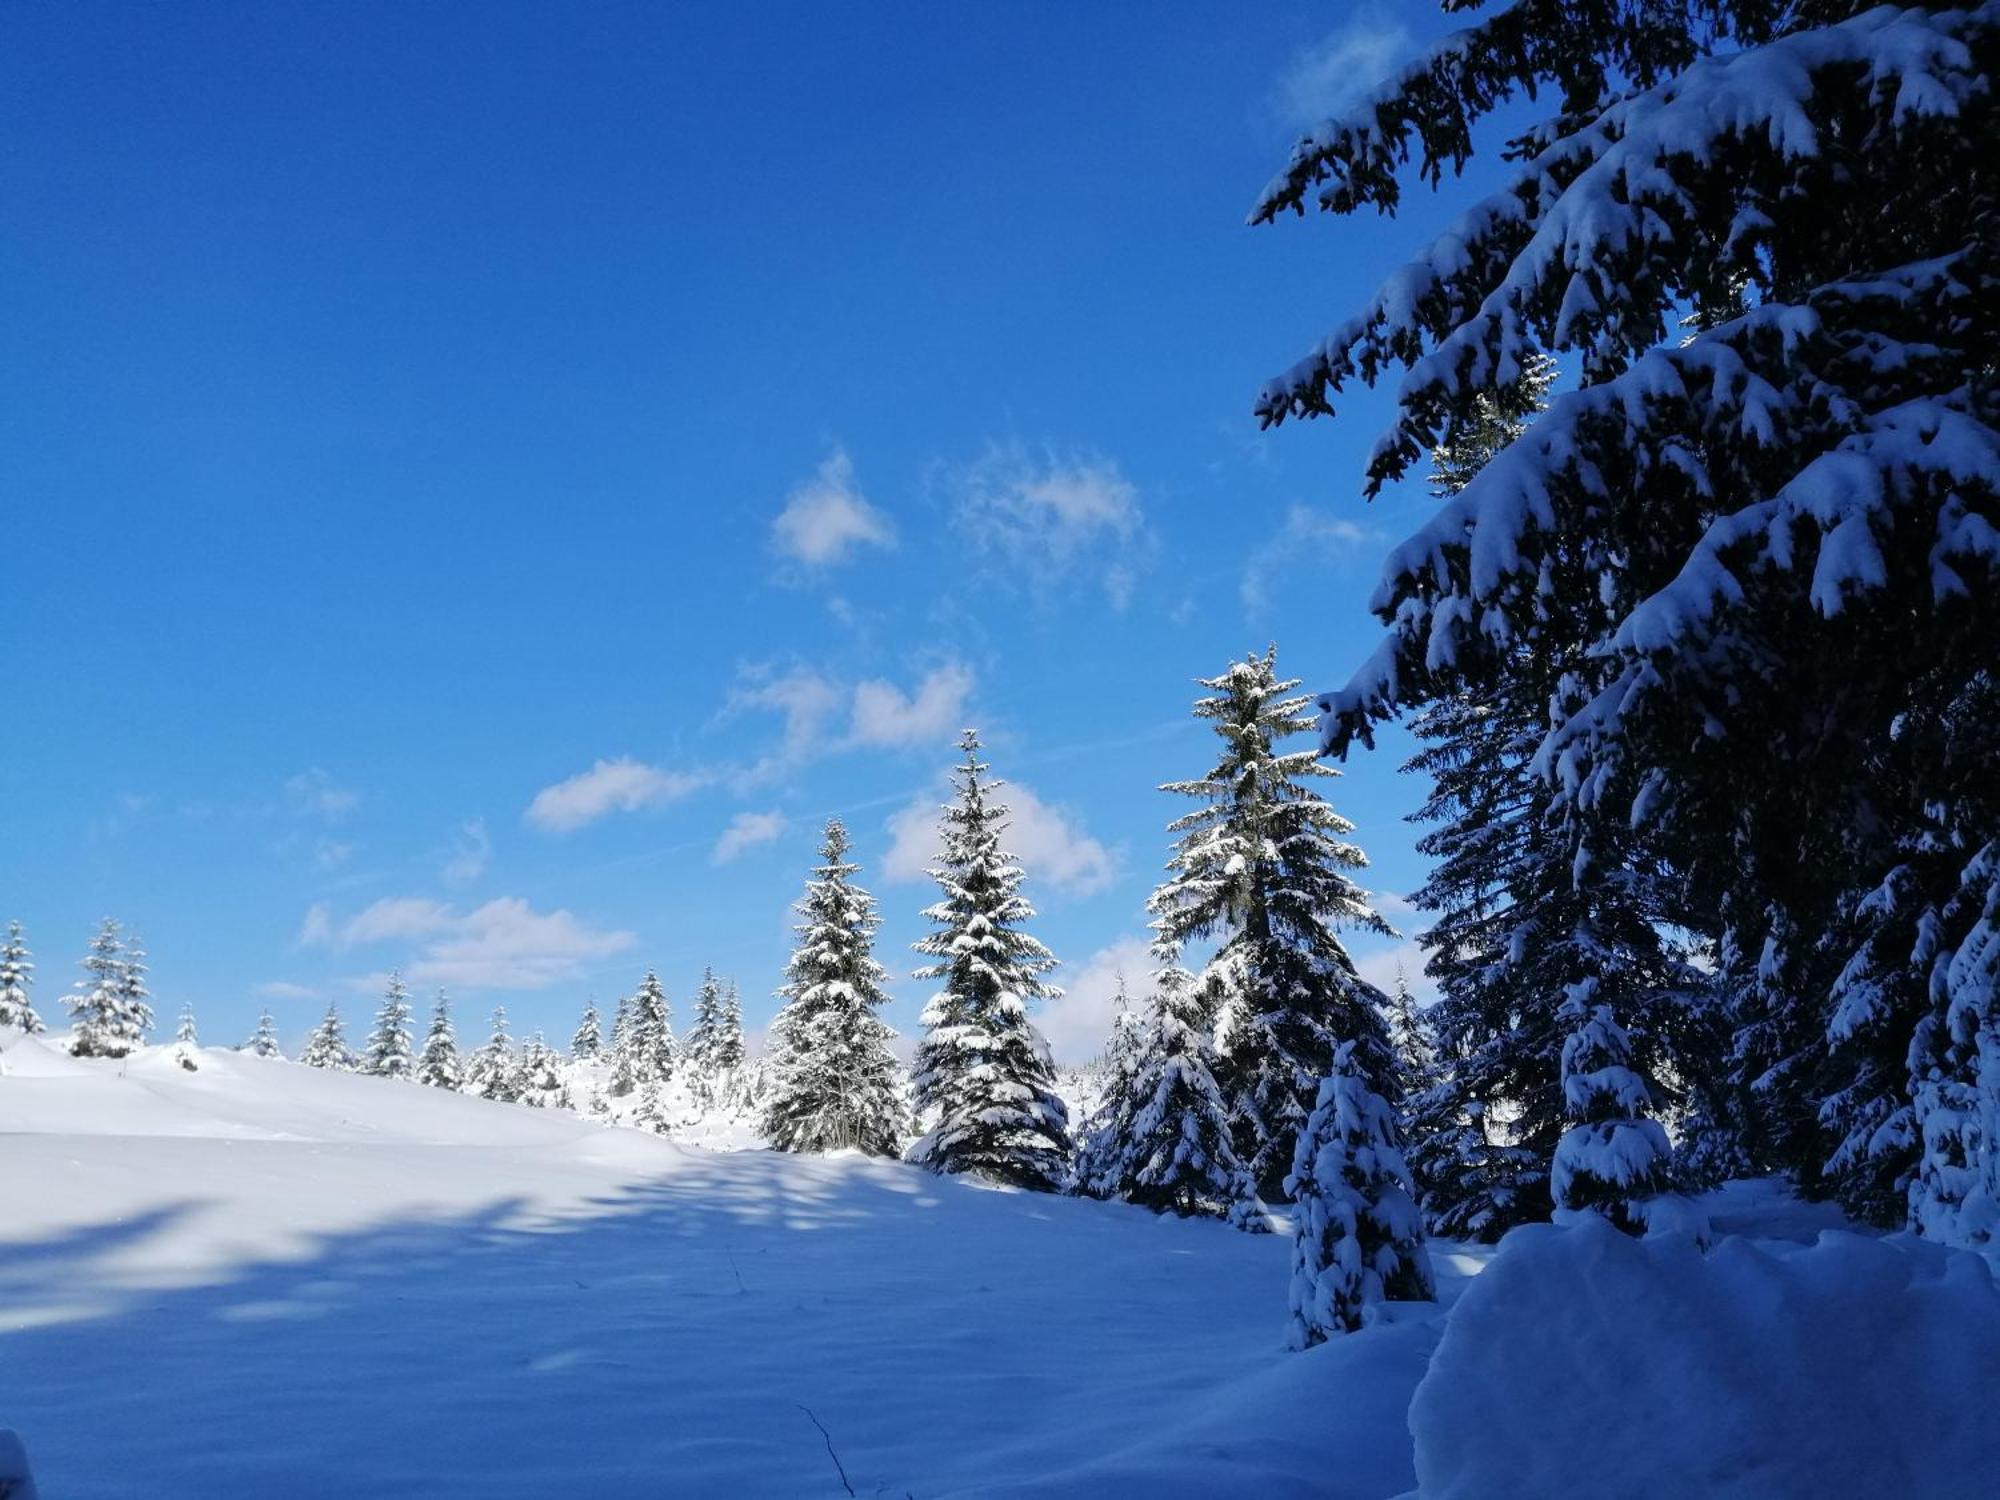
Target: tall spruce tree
(587, 1045)
(438, 1064)
(700, 1039)
(1261, 869)
(649, 1045)
(984, 1082)
(726, 1052)
(327, 1046)
(391, 1045)
(538, 1081)
(835, 1084)
(1170, 1149)
(109, 1013)
(16, 975)
(1765, 553)
(1358, 1238)
(491, 1072)
(264, 1041)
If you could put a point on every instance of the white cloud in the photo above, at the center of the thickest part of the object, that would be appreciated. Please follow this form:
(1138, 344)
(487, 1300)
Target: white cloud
(1051, 844)
(330, 855)
(1053, 517)
(1333, 74)
(1306, 537)
(885, 716)
(622, 785)
(316, 931)
(395, 917)
(826, 519)
(284, 989)
(1077, 1024)
(507, 945)
(808, 702)
(467, 857)
(504, 944)
(745, 831)
(314, 792)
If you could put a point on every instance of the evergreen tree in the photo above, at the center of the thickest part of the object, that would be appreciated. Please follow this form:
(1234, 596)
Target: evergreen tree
(185, 1040)
(1409, 1039)
(327, 1046)
(621, 1026)
(16, 967)
(649, 1033)
(1358, 1238)
(697, 1051)
(264, 1043)
(1614, 1156)
(651, 1113)
(1172, 1151)
(491, 1072)
(1100, 1138)
(588, 1043)
(984, 1083)
(725, 1049)
(109, 1016)
(391, 1045)
(836, 1084)
(437, 1064)
(1763, 557)
(1261, 868)
(538, 1079)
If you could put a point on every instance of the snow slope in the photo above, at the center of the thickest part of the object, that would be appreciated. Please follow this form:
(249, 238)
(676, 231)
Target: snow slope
(262, 1280)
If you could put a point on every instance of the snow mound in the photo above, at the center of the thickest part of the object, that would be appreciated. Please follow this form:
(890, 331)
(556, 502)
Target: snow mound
(1583, 1363)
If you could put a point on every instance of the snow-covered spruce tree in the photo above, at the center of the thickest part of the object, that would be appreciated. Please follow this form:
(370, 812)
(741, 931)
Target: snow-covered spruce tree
(491, 1072)
(1409, 1037)
(1261, 869)
(538, 1081)
(264, 1041)
(649, 1034)
(1765, 549)
(1513, 924)
(327, 1046)
(588, 1043)
(1173, 1152)
(392, 1044)
(700, 1040)
(16, 974)
(1614, 1157)
(109, 1016)
(835, 1083)
(983, 1079)
(726, 1052)
(1095, 1171)
(186, 1043)
(438, 1065)
(651, 1111)
(1358, 1238)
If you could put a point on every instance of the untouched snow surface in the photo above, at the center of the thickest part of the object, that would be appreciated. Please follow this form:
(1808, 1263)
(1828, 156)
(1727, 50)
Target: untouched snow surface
(263, 1280)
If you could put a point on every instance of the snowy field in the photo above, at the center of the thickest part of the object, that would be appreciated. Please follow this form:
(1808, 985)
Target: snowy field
(264, 1280)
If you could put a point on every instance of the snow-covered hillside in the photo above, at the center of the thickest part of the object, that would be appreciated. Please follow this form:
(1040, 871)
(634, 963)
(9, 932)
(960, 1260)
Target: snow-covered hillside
(259, 1279)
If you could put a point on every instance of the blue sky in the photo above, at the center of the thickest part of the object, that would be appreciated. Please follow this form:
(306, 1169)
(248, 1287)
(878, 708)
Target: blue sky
(478, 497)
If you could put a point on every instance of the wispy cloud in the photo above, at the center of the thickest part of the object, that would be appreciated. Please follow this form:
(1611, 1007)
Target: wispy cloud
(504, 944)
(315, 793)
(284, 989)
(622, 785)
(1052, 517)
(824, 715)
(1050, 840)
(1333, 74)
(465, 860)
(827, 519)
(745, 831)
(1306, 538)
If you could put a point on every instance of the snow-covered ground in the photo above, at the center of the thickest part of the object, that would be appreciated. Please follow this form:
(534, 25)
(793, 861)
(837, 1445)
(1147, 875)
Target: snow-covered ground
(262, 1280)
